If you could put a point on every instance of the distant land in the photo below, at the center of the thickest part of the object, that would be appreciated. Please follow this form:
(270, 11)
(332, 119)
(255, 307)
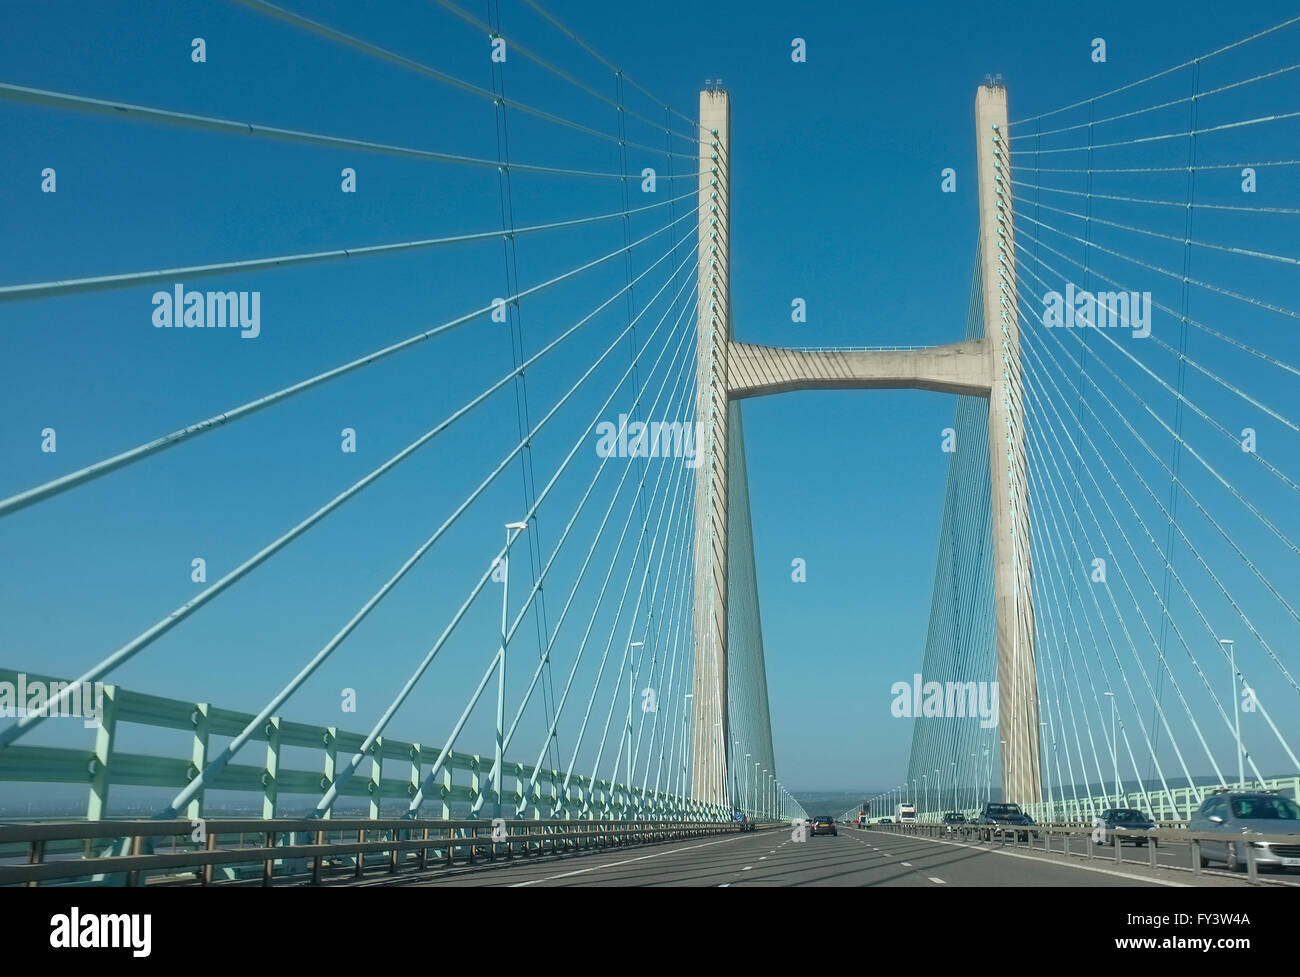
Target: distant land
(832, 802)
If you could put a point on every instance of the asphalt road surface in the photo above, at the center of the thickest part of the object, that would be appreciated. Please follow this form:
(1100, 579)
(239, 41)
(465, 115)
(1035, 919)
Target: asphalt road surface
(772, 858)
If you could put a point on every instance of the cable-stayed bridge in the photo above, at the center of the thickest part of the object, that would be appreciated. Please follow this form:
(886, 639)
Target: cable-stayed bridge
(524, 515)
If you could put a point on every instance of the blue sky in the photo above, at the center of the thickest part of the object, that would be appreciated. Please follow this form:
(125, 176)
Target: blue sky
(836, 174)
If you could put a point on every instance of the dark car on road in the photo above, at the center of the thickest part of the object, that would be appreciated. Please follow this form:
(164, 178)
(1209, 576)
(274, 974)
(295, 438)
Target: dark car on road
(1005, 818)
(952, 819)
(1126, 819)
(823, 825)
(1234, 813)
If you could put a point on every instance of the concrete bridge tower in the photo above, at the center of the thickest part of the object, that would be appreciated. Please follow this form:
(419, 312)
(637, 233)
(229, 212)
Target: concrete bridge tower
(729, 371)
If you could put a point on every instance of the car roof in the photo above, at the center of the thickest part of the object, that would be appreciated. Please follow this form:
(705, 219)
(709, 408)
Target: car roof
(1237, 792)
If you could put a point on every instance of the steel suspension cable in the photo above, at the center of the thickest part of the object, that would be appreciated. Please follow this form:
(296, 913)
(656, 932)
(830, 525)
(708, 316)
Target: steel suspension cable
(100, 468)
(147, 637)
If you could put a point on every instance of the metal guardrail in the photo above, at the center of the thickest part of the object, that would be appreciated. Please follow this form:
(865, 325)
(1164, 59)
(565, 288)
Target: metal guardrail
(1089, 848)
(1177, 803)
(306, 851)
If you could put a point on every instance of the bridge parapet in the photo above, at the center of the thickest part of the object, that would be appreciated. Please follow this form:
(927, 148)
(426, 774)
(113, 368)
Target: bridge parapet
(397, 768)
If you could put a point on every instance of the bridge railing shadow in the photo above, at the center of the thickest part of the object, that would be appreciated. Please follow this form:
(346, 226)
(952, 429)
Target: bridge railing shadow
(309, 851)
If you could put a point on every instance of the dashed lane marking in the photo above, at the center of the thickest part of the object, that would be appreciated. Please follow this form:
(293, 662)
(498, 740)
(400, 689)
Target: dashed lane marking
(625, 861)
(1050, 861)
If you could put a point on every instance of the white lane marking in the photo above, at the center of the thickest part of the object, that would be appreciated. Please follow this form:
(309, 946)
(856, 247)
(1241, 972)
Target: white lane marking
(762, 858)
(1050, 861)
(937, 881)
(723, 885)
(625, 861)
(908, 864)
(747, 868)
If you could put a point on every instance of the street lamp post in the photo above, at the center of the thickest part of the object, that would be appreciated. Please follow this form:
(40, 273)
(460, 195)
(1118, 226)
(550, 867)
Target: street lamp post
(1050, 806)
(1236, 711)
(925, 784)
(685, 732)
(753, 804)
(513, 529)
(724, 759)
(631, 694)
(988, 776)
(974, 781)
(1004, 760)
(1114, 752)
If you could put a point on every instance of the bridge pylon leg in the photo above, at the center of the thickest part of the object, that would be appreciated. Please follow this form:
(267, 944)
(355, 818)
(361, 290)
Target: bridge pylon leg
(712, 729)
(1012, 569)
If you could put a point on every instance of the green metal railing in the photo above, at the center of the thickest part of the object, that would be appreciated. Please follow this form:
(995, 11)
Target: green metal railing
(397, 768)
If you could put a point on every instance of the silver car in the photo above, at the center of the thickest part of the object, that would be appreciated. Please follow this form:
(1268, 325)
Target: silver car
(1234, 812)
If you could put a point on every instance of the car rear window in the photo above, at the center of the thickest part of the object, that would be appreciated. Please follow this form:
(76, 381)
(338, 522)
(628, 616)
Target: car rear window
(1265, 807)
